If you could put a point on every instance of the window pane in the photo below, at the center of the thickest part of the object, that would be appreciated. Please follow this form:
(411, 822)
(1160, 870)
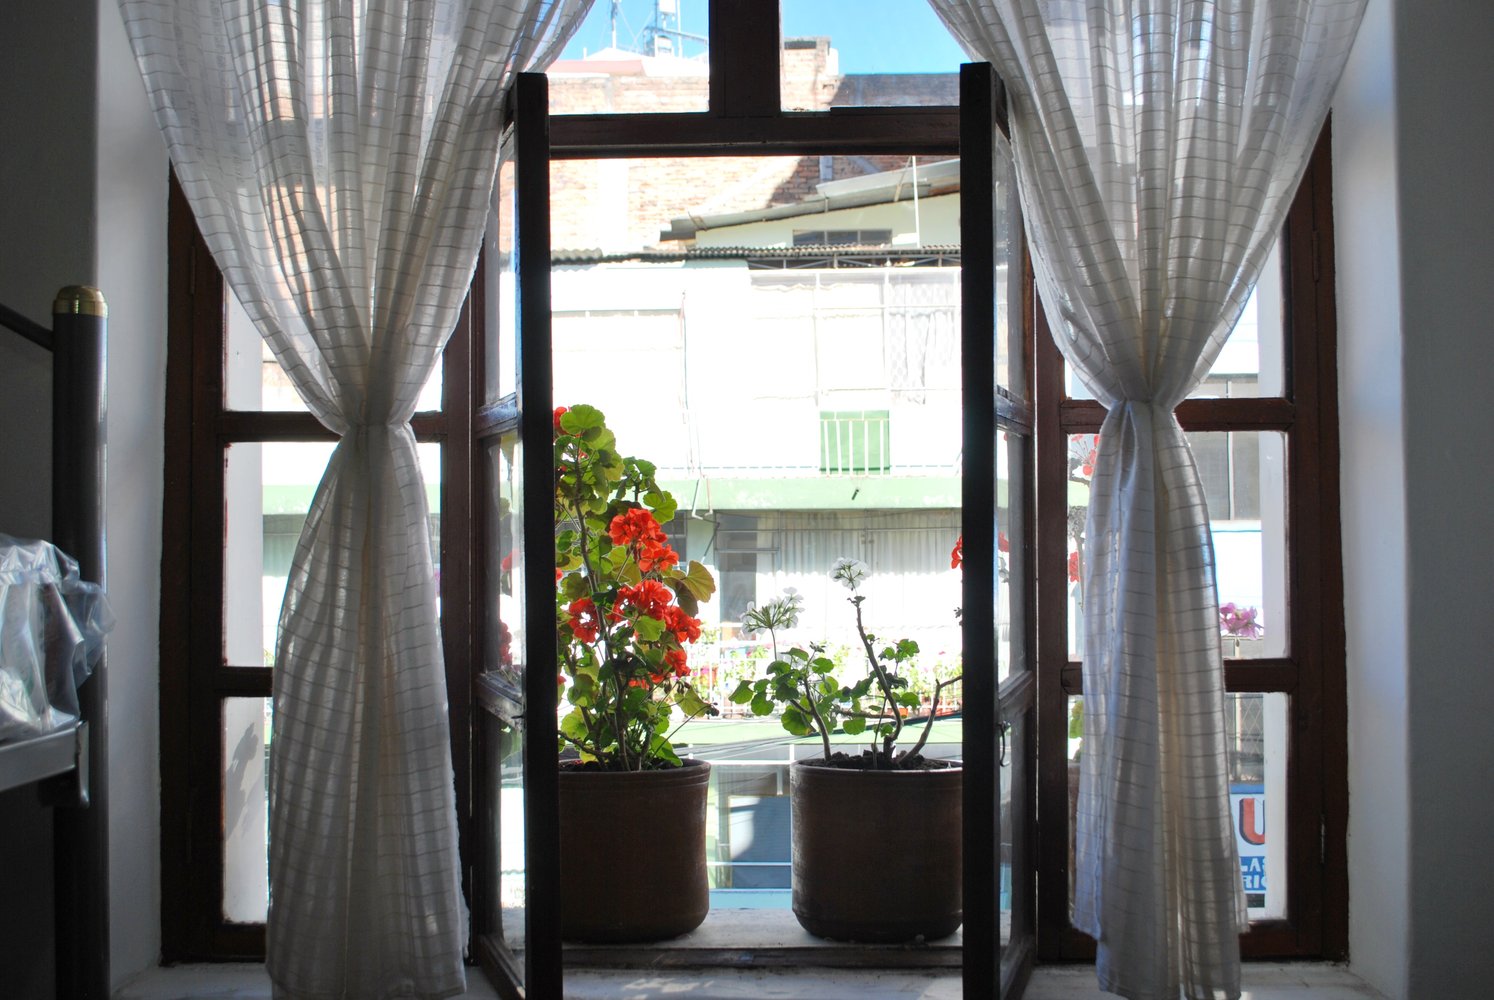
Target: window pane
(503, 895)
(501, 299)
(254, 380)
(1010, 376)
(1252, 361)
(1244, 476)
(246, 813)
(859, 53)
(268, 488)
(1011, 617)
(1244, 481)
(504, 631)
(503, 663)
(634, 57)
(1256, 727)
(1014, 847)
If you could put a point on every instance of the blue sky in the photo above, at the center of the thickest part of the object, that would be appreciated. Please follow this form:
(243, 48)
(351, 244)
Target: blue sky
(872, 36)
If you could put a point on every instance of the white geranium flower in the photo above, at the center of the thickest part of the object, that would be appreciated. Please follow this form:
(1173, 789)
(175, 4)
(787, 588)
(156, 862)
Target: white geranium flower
(850, 573)
(781, 612)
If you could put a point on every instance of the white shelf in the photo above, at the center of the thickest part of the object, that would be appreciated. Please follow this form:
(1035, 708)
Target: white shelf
(29, 760)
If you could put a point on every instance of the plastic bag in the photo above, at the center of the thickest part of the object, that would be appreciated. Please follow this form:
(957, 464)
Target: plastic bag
(52, 627)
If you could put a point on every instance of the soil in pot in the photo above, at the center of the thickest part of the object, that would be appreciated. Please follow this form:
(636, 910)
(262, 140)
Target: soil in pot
(632, 853)
(877, 853)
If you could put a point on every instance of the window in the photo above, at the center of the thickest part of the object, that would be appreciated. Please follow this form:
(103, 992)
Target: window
(861, 348)
(841, 237)
(1261, 427)
(855, 442)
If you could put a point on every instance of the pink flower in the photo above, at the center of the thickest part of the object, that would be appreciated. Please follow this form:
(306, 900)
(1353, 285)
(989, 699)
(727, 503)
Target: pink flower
(1240, 623)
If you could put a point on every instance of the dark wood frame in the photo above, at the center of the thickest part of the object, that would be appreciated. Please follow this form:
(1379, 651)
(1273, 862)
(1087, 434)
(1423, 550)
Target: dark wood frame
(1313, 672)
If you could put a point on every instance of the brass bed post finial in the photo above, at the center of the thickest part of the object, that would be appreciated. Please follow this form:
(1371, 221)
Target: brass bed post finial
(80, 300)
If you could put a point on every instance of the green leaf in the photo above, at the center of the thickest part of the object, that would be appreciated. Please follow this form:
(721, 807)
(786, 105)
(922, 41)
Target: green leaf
(661, 749)
(697, 580)
(743, 694)
(573, 725)
(761, 705)
(690, 701)
(662, 503)
(854, 726)
(687, 602)
(649, 629)
(797, 722)
(581, 418)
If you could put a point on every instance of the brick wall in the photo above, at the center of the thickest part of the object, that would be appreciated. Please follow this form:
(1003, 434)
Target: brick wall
(617, 205)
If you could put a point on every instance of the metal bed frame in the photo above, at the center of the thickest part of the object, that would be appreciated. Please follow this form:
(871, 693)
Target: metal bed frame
(69, 766)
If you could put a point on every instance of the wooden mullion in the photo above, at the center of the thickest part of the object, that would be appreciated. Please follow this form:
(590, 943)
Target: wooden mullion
(1332, 662)
(740, 85)
(1052, 488)
(1241, 676)
(932, 131)
(981, 875)
(177, 916)
(205, 627)
(240, 682)
(1269, 413)
(458, 631)
(296, 425)
(494, 419)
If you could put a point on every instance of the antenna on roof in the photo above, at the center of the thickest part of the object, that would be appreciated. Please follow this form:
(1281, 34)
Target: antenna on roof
(616, 4)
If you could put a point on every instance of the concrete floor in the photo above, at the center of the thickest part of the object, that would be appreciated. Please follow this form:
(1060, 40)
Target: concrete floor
(1262, 982)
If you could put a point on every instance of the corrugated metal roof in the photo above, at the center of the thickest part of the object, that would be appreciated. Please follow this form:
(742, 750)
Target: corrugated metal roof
(844, 256)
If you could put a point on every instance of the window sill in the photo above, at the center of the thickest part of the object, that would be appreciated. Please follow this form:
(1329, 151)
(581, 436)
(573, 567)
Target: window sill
(757, 938)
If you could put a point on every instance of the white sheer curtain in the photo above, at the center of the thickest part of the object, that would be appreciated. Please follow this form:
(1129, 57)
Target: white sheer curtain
(1158, 144)
(339, 157)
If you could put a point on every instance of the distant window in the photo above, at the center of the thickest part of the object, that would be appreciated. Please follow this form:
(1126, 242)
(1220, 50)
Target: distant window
(855, 442)
(842, 237)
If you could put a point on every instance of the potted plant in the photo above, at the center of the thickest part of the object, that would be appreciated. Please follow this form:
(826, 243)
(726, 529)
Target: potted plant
(876, 833)
(632, 812)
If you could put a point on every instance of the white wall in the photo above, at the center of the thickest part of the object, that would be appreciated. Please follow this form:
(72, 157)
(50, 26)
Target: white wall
(130, 267)
(1445, 146)
(1415, 235)
(1374, 503)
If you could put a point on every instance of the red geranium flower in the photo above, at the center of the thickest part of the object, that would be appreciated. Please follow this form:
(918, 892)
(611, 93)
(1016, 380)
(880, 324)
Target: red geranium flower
(650, 597)
(958, 555)
(685, 628)
(637, 528)
(559, 412)
(676, 660)
(585, 623)
(1073, 567)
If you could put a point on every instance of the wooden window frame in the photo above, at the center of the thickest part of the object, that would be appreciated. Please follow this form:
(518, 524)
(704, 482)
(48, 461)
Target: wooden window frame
(195, 675)
(745, 115)
(1313, 670)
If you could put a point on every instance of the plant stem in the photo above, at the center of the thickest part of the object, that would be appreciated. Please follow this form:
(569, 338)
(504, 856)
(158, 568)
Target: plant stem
(819, 723)
(883, 681)
(619, 731)
(933, 711)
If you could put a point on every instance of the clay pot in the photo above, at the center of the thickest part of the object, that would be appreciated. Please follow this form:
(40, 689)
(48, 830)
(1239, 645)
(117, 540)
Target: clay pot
(632, 853)
(877, 853)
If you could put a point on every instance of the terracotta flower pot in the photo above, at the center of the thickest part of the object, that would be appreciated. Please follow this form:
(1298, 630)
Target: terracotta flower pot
(877, 853)
(632, 853)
